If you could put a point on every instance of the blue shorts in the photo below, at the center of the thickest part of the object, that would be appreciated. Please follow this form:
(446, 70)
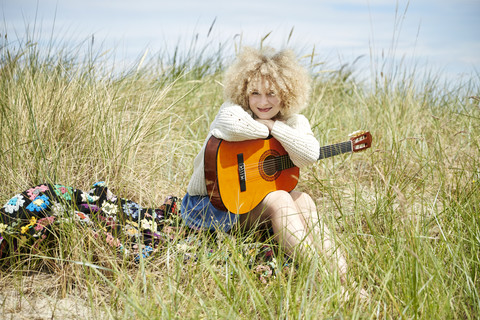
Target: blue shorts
(197, 212)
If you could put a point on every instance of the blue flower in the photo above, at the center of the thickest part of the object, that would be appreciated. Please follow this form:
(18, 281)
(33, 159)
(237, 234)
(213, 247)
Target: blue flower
(145, 253)
(131, 209)
(39, 203)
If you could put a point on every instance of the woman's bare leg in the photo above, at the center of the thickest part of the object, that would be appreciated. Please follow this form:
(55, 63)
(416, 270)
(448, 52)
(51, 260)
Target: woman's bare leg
(280, 210)
(319, 233)
(294, 219)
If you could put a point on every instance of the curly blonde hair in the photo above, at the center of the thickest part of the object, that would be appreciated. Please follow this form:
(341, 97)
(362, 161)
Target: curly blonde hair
(281, 70)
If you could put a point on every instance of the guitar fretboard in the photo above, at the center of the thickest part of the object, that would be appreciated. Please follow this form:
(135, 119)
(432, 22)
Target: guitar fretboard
(335, 149)
(284, 162)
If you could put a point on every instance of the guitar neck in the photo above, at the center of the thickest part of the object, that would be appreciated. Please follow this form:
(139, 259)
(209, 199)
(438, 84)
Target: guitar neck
(335, 149)
(284, 162)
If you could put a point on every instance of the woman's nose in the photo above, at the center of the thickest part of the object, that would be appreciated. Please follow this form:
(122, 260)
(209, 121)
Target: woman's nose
(264, 99)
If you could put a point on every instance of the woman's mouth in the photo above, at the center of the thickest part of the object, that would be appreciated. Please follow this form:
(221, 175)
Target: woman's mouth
(264, 109)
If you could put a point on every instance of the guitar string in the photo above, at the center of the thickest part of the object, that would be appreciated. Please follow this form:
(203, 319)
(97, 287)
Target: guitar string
(271, 163)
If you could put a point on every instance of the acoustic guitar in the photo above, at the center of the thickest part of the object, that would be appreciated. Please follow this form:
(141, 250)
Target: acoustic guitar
(240, 174)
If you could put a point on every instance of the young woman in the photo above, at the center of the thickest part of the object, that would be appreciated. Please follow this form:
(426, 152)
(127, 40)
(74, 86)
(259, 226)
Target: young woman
(264, 91)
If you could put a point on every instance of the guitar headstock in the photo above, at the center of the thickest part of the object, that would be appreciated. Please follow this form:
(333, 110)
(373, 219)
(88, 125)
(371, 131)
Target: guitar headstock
(361, 140)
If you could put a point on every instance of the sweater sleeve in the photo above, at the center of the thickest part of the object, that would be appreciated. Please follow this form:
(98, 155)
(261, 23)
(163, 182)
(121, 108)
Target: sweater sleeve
(296, 136)
(233, 123)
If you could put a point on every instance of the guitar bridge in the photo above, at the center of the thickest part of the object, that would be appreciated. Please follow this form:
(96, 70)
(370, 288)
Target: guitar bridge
(241, 172)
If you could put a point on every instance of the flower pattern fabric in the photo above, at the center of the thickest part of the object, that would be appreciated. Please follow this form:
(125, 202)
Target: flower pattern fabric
(35, 191)
(39, 203)
(34, 212)
(14, 204)
(64, 191)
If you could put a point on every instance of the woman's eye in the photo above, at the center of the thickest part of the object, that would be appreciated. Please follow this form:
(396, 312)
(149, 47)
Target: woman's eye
(271, 94)
(254, 93)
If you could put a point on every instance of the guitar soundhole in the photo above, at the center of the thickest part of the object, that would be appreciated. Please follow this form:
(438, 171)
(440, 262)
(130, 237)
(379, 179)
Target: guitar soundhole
(268, 165)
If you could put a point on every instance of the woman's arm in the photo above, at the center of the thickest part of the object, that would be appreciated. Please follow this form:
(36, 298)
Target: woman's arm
(296, 136)
(233, 123)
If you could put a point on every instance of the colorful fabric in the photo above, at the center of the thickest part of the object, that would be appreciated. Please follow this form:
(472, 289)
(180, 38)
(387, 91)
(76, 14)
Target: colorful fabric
(198, 213)
(31, 215)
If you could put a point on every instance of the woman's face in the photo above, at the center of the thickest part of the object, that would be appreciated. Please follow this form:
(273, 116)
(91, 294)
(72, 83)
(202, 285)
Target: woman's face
(263, 100)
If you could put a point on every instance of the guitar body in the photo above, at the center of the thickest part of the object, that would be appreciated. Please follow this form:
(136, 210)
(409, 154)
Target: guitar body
(240, 174)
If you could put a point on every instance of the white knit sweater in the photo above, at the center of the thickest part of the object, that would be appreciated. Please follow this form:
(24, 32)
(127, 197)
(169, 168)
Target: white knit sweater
(233, 123)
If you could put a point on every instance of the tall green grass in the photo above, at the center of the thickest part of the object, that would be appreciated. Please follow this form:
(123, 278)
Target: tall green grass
(405, 212)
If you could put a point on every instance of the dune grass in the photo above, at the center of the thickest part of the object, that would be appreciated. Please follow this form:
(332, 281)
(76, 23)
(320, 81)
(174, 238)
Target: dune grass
(406, 212)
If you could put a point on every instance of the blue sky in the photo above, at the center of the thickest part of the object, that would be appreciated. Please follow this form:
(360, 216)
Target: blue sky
(443, 35)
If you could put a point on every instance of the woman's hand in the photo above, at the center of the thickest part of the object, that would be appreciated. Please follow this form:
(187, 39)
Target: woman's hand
(267, 123)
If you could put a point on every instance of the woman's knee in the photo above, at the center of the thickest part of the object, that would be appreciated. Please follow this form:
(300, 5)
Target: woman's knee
(279, 199)
(303, 201)
(278, 195)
